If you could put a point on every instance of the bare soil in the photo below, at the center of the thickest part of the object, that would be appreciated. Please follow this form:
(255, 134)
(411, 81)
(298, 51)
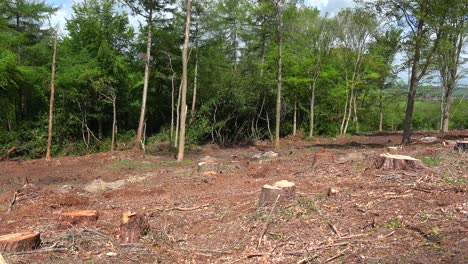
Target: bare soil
(199, 215)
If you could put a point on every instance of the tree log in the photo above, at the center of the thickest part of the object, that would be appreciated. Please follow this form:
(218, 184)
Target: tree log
(462, 146)
(9, 152)
(133, 227)
(78, 218)
(284, 189)
(388, 161)
(19, 242)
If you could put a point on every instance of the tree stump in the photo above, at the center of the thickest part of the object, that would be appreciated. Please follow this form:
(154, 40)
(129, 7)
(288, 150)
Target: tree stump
(269, 195)
(462, 146)
(78, 218)
(388, 161)
(133, 227)
(19, 242)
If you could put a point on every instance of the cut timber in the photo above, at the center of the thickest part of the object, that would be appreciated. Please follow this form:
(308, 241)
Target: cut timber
(133, 227)
(19, 242)
(78, 218)
(388, 161)
(9, 152)
(269, 195)
(462, 146)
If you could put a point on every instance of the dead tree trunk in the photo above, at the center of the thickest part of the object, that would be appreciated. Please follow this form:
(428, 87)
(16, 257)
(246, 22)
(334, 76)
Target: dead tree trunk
(9, 152)
(279, 15)
(133, 227)
(19, 242)
(51, 102)
(78, 218)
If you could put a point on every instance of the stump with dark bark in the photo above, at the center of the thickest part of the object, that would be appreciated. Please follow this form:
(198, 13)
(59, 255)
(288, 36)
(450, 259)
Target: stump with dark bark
(19, 242)
(462, 146)
(281, 191)
(133, 227)
(78, 218)
(388, 161)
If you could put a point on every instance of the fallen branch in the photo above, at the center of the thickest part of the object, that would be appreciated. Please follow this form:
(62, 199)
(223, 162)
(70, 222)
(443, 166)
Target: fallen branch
(267, 221)
(182, 208)
(10, 207)
(341, 253)
(9, 152)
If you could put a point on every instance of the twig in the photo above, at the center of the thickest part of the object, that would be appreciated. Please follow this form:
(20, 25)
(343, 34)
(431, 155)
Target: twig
(341, 253)
(182, 208)
(334, 229)
(267, 221)
(10, 207)
(35, 251)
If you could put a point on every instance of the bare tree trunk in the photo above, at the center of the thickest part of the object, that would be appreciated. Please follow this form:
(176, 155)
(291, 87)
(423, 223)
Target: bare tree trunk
(145, 85)
(280, 80)
(114, 121)
(172, 111)
(180, 156)
(176, 139)
(51, 103)
(195, 79)
(356, 120)
(295, 116)
(312, 111)
(380, 112)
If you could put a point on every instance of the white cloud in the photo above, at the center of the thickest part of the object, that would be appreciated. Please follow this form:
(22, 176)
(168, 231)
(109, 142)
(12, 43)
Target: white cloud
(332, 7)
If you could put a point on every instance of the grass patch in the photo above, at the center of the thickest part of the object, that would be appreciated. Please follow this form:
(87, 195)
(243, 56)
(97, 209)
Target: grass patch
(307, 205)
(432, 161)
(452, 180)
(393, 224)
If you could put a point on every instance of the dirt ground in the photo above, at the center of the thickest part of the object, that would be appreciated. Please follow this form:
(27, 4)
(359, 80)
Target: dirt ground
(200, 215)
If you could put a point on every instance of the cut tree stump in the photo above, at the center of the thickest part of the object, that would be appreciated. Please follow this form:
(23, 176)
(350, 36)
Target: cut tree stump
(19, 242)
(269, 195)
(9, 152)
(462, 146)
(78, 218)
(388, 161)
(133, 227)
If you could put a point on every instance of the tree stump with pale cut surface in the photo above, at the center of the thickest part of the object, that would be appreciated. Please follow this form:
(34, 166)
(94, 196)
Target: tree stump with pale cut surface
(20, 242)
(133, 227)
(279, 192)
(78, 218)
(388, 161)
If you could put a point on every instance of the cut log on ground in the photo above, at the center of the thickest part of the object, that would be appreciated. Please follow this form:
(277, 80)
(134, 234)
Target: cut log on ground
(388, 161)
(78, 218)
(462, 146)
(133, 227)
(284, 189)
(9, 152)
(20, 242)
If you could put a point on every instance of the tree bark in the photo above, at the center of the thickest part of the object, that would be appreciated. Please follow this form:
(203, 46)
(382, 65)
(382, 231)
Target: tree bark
(51, 102)
(195, 78)
(280, 80)
(269, 194)
(295, 116)
(133, 227)
(397, 162)
(145, 84)
(114, 121)
(183, 116)
(312, 110)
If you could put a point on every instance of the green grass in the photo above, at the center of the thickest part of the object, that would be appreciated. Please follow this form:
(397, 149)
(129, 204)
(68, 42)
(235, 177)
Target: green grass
(393, 224)
(138, 165)
(431, 161)
(452, 180)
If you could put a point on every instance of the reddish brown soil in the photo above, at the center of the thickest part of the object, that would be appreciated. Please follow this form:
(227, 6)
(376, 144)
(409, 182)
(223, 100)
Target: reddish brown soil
(199, 216)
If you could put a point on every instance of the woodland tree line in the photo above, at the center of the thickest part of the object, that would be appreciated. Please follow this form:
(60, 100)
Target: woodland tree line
(257, 69)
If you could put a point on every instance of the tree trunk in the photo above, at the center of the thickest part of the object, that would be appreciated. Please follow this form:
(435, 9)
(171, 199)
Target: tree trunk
(176, 139)
(51, 102)
(397, 162)
(281, 191)
(295, 116)
(145, 85)
(180, 156)
(280, 81)
(19, 242)
(114, 121)
(312, 111)
(75, 218)
(195, 80)
(380, 112)
(133, 227)
(356, 120)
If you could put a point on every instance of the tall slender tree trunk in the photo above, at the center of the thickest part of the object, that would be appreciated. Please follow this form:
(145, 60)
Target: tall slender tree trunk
(356, 119)
(312, 110)
(183, 115)
(114, 121)
(176, 139)
(172, 111)
(195, 78)
(280, 80)
(295, 116)
(51, 102)
(138, 141)
(380, 111)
